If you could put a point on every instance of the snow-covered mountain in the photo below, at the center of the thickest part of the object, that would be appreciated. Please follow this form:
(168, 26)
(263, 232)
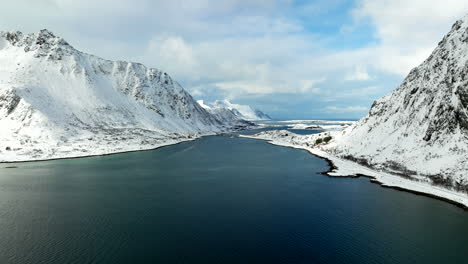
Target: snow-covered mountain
(224, 114)
(56, 101)
(242, 111)
(421, 129)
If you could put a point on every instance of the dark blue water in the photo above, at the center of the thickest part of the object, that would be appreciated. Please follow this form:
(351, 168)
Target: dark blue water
(217, 200)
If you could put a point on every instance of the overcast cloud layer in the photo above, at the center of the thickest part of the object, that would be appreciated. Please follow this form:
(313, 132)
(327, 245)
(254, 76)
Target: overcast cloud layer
(292, 59)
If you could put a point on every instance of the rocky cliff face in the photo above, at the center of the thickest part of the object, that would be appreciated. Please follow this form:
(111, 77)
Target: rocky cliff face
(421, 129)
(52, 95)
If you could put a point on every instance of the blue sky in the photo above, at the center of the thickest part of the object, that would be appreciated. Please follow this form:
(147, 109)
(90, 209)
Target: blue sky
(290, 58)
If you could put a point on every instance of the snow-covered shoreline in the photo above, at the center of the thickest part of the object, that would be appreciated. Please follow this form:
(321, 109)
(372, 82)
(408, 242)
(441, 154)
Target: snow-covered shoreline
(345, 168)
(338, 167)
(95, 148)
(120, 150)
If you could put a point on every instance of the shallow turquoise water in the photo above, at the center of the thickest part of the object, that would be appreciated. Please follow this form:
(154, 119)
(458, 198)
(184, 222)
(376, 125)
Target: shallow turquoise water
(217, 200)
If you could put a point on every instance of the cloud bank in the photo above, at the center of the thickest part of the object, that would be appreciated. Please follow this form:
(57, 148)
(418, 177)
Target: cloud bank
(306, 59)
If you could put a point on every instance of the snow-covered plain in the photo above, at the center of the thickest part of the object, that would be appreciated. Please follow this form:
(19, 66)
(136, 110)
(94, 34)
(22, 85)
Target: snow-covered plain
(347, 168)
(58, 102)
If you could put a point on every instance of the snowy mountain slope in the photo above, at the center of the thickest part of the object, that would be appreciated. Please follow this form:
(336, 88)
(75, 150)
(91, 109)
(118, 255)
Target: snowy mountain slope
(225, 115)
(260, 115)
(56, 101)
(421, 128)
(242, 111)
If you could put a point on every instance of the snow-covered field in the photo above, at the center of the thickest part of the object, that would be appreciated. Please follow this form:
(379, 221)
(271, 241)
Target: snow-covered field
(94, 145)
(346, 168)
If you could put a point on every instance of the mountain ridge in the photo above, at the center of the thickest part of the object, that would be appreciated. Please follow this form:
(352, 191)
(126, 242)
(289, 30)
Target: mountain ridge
(420, 129)
(52, 95)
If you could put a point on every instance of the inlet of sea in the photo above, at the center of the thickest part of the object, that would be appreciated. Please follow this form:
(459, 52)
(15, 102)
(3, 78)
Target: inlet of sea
(219, 199)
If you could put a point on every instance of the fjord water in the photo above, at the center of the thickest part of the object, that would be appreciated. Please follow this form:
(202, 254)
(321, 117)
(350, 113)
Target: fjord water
(217, 200)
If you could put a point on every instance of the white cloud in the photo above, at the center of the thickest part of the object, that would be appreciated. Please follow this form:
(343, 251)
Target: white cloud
(347, 109)
(197, 92)
(407, 31)
(270, 87)
(358, 74)
(309, 86)
(252, 48)
(242, 87)
(173, 52)
(355, 93)
(101, 8)
(241, 65)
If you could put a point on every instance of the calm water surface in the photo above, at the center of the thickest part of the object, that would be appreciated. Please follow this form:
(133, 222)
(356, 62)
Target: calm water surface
(217, 200)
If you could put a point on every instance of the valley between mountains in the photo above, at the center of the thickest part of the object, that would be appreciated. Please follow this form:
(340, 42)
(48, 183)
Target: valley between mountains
(58, 102)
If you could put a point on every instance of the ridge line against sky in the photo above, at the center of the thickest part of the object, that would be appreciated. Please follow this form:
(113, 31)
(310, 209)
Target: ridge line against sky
(291, 59)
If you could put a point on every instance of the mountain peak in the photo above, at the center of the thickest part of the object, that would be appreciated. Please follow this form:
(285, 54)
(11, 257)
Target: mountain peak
(422, 126)
(74, 99)
(43, 43)
(46, 36)
(43, 36)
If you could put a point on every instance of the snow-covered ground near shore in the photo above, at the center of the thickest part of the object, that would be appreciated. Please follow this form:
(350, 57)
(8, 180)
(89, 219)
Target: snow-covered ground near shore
(324, 127)
(347, 168)
(316, 121)
(93, 145)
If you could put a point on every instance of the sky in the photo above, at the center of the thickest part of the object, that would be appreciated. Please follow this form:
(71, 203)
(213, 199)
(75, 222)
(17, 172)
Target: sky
(290, 58)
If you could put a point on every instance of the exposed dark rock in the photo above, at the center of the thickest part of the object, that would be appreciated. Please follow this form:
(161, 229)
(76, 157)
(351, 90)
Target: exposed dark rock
(9, 101)
(426, 113)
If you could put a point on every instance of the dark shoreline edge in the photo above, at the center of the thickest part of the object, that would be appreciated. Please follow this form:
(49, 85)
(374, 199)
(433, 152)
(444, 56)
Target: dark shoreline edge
(333, 167)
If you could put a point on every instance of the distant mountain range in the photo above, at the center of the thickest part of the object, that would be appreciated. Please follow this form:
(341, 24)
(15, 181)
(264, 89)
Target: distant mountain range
(241, 111)
(56, 101)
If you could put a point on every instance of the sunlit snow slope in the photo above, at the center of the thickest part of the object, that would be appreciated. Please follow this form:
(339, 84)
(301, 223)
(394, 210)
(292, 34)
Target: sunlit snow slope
(421, 128)
(56, 101)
